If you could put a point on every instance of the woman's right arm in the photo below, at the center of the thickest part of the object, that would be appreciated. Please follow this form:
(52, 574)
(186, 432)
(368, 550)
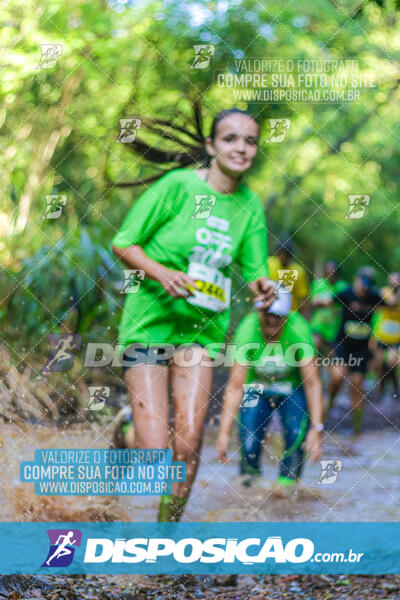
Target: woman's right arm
(232, 399)
(150, 211)
(175, 283)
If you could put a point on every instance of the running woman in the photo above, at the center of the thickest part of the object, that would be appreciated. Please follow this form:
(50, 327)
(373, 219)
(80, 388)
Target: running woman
(385, 339)
(186, 248)
(358, 302)
(278, 380)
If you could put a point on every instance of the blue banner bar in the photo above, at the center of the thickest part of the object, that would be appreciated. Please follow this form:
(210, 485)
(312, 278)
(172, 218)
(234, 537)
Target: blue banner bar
(213, 548)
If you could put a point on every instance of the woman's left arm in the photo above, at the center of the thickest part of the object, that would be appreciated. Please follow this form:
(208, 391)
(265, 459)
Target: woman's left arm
(313, 390)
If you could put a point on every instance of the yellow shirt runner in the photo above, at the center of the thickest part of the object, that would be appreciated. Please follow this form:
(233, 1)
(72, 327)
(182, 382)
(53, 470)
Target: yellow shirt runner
(386, 321)
(294, 274)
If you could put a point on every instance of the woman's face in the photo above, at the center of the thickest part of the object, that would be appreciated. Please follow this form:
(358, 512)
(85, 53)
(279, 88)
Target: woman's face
(235, 145)
(359, 287)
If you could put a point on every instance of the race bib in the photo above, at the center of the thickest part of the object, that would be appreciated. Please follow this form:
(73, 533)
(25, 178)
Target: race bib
(278, 387)
(214, 289)
(324, 297)
(357, 330)
(391, 327)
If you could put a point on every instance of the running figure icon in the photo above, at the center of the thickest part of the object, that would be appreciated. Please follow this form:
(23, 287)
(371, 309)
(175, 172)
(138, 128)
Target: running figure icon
(62, 549)
(63, 543)
(62, 348)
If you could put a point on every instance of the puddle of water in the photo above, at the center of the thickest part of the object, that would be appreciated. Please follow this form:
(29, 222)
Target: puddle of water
(367, 487)
(18, 501)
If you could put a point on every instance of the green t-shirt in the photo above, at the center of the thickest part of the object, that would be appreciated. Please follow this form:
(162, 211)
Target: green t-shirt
(339, 286)
(183, 223)
(274, 364)
(325, 320)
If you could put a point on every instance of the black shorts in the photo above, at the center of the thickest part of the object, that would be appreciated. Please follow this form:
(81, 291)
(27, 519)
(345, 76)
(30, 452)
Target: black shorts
(355, 355)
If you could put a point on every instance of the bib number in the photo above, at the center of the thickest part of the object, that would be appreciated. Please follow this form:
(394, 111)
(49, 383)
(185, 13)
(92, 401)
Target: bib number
(391, 327)
(324, 297)
(357, 330)
(214, 289)
(278, 387)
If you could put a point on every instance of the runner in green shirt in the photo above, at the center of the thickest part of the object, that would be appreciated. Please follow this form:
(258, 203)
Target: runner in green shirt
(274, 370)
(162, 224)
(326, 316)
(182, 236)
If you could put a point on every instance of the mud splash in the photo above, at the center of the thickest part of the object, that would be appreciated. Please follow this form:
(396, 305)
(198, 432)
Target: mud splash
(18, 501)
(367, 484)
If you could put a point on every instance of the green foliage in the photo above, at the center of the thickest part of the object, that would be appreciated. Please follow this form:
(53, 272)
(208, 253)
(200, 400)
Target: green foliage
(59, 128)
(73, 285)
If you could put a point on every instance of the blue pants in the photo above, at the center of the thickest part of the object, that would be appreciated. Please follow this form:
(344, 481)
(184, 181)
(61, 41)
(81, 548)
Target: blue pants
(254, 420)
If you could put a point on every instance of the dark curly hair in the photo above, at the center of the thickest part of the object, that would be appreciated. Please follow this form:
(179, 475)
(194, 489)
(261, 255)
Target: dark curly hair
(191, 152)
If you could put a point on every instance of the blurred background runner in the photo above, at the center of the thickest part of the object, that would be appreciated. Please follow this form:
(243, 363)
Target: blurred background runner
(326, 316)
(284, 260)
(385, 338)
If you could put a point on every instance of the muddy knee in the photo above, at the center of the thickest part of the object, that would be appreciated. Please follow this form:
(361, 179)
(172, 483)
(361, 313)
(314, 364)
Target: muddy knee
(187, 450)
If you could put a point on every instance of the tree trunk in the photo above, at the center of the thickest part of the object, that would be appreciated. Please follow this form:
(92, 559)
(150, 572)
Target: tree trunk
(46, 148)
